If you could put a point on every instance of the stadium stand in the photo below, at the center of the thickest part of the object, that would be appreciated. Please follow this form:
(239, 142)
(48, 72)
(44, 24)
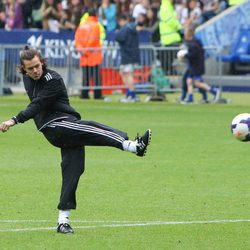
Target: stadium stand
(240, 48)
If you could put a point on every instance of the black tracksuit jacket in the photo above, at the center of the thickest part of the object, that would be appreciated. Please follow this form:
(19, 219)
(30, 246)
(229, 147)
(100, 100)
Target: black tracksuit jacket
(49, 100)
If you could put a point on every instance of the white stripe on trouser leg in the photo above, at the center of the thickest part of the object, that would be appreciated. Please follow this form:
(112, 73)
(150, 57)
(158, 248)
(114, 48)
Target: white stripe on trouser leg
(95, 129)
(89, 129)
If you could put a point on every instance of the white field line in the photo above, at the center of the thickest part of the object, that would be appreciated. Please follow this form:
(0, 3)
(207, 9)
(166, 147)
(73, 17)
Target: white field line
(75, 221)
(135, 224)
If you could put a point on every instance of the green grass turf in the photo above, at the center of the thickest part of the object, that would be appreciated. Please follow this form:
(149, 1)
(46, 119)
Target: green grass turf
(194, 171)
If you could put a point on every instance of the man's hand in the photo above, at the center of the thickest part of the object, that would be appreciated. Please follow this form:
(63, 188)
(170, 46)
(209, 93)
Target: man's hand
(4, 126)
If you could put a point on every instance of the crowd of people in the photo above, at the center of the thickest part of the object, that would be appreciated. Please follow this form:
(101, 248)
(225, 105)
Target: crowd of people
(57, 15)
(166, 20)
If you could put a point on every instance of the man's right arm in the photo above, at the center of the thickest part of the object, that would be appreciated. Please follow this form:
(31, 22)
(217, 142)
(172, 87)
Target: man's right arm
(4, 126)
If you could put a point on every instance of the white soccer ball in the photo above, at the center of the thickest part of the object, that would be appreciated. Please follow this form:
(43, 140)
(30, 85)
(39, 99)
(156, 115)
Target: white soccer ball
(181, 53)
(240, 127)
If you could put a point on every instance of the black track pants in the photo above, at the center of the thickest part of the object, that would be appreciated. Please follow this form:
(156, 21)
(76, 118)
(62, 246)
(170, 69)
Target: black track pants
(71, 135)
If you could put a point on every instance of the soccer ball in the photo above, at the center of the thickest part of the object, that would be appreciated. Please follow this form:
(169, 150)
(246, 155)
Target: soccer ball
(240, 127)
(181, 54)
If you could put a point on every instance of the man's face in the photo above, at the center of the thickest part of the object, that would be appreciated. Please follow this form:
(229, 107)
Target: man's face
(33, 68)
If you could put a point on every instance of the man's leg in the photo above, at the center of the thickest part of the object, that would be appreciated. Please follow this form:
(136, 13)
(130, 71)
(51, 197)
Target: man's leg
(76, 133)
(72, 167)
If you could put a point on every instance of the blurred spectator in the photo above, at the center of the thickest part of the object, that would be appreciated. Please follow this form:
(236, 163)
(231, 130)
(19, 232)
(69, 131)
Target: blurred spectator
(46, 14)
(152, 16)
(181, 11)
(27, 13)
(128, 40)
(140, 8)
(152, 24)
(64, 22)
(91, 4)
(51, 15)
(210, 9)
(71, 14)
(2, 15)
(76, 8)
(123, 8)
(194, 13)
(88, 41)
(170, 28)
(224, 4)
(36, 14)
(155, 4)
(13, 14)
(142, 21)
(169, 25)
(189, 13)
(107, 15)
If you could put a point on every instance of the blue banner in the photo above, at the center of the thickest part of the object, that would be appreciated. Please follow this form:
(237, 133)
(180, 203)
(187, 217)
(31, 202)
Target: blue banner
(56, 45)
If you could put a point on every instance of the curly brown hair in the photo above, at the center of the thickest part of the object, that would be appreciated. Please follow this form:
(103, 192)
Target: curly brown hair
(28, 54)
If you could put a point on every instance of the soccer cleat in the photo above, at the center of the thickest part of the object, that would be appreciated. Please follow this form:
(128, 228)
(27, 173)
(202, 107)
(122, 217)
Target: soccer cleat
(142, 143)
(64, 228)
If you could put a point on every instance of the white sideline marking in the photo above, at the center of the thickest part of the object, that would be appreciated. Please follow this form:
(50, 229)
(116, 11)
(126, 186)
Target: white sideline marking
(79, 221)
(135, 224)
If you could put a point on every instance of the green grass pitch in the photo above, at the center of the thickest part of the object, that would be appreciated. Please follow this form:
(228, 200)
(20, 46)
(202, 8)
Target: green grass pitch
(191, 191)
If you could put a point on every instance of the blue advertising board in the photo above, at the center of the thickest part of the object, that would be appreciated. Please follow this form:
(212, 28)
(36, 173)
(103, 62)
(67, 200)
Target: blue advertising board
(55, 46)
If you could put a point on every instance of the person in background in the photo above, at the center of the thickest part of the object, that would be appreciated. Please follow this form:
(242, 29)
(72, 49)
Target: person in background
(71, 14)
(51, 15)
(170, 29)
(2, 15)
(140, 8)
(155, 4)
(14, 15)
(181, 10)
(107, 15)
(37, 19)
(196, 66)
(152, 24)
(194, 13)
(128, 40)
(210, 9)
(27, 8)
(88, 41)
(123, 9)
(76, 9)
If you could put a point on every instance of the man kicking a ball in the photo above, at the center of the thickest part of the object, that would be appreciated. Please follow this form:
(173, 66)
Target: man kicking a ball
(62, 126)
